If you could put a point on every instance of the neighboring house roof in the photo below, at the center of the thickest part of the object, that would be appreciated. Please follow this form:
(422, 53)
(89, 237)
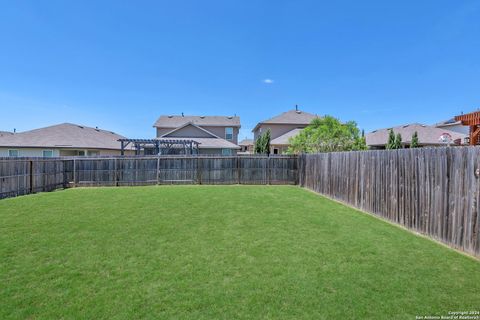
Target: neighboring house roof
(290, 117)
(284, 138)
(65, 135)
(449, 122)
(246, 142)
(5, 133)
(427, 135)
(177, 121)
(204, 131)
(209, 143)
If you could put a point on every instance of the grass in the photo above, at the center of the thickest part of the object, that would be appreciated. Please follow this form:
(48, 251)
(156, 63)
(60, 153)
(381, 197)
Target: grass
(235, 252)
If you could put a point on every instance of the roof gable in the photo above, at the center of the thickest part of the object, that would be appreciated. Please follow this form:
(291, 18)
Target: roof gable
(189, 130)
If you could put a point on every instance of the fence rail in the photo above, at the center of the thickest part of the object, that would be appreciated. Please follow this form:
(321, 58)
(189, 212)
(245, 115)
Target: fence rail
(434, 191)
(19, 176)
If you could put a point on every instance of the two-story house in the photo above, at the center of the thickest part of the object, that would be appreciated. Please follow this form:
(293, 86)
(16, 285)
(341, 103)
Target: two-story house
(214, 134)
(282, 127)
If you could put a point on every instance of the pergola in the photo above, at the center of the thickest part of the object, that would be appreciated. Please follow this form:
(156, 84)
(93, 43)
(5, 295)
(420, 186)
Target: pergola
(160, 146)
(473, 121)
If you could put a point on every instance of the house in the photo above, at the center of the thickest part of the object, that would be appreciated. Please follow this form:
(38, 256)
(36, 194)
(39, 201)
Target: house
(427, 136)
(66, 139)
(5, 133)
(452, 125)
(283, 127)
(214, 134)
(246, 146)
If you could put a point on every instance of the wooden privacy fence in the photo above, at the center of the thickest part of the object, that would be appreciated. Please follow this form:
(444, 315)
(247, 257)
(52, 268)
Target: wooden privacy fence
(122, 171)
(19, 176)
(434, 191)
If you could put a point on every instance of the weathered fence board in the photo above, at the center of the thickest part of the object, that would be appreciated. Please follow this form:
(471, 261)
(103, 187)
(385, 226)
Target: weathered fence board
(19, 176)
(433, 191)
(22, 176)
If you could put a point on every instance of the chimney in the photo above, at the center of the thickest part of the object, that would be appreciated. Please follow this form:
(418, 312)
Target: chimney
(182, 114)
(296, 107)
(14, 130)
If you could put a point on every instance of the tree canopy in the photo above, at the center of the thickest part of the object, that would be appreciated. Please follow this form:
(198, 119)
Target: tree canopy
(414, 143)
(327, 134)
(262, 144)
(391, 140)
(394, 141)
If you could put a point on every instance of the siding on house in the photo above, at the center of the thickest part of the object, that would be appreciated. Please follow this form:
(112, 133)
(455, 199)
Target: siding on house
(282, 127)
(201, 127)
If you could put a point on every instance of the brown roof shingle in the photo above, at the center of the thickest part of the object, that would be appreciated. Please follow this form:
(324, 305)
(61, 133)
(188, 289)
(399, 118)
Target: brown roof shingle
(65, 135)
(284, 138)
(290, 117)
(427, 135)
(177, 121)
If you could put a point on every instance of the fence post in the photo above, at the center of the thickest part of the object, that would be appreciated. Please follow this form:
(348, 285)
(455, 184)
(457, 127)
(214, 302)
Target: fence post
(199, 170)
(31, 176)
(115, 172)
(238, 169)
(158, 169)
(74, 172)
(268, 170)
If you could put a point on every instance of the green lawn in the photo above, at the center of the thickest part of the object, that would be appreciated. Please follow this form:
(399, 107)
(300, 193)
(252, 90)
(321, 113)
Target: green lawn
(233, 252)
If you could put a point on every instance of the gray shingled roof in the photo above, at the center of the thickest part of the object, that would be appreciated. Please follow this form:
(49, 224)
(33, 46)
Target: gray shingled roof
(65, 135)
(209, 143)
(290, 117)
(177, 121)
(283, 139)
(246, 142)
(427, 135)
(5, 133)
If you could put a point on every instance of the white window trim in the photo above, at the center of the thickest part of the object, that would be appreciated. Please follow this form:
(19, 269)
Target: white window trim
(226, 138)
(18, 153)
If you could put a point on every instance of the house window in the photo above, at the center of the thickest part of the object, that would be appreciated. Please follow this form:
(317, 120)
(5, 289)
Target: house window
(13, 153)
(226, 152)
(275, 151)
(229, 133)
(93, 153)
(47, 153)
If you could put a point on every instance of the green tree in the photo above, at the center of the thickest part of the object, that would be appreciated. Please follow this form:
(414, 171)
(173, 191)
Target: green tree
(391, 140)
(262, 144)
(414, 143)
(327, 134)
(398, 141)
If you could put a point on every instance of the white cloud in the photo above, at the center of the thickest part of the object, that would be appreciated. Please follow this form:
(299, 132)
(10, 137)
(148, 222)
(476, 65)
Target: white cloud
(268, 81)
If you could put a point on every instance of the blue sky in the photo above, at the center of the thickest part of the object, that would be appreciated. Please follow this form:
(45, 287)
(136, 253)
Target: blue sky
(119, 65)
